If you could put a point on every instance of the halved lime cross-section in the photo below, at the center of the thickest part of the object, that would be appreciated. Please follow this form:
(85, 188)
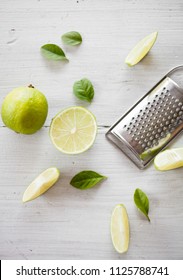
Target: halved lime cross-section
(73, 130)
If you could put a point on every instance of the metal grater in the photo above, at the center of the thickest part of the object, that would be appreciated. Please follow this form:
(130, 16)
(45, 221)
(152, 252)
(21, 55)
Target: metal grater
(152, 123)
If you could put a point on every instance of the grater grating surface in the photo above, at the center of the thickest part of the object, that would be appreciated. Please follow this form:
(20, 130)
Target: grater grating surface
(151, 123)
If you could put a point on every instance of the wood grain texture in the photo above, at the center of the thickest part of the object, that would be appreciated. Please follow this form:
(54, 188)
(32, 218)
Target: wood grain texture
(67, 223)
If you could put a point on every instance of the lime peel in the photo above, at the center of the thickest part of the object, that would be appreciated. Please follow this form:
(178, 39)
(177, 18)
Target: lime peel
(24, 110)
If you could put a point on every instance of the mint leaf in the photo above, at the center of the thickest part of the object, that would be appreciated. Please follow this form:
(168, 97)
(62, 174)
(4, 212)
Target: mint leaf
(72, 38)
(86, 179)
(142, 202)
(53, 52)
(84, 90)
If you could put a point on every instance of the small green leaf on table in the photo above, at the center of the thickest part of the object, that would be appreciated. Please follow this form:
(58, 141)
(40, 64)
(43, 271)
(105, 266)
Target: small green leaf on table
(72, 38)
(86, 179)
(53, 52)
(84, 90)
(142, 202)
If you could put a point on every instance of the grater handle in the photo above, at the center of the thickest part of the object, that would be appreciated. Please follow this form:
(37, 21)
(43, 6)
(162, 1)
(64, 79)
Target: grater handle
(174, 70)
(176, 74)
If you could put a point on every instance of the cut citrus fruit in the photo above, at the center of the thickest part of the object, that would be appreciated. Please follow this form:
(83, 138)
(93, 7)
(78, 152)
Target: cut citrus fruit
(154, 150)
(120, 228)
(73, 130)
(169, 159)
(141, 49)
(41, 184)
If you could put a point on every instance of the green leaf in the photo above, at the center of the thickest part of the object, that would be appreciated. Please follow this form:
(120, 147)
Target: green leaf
(86, 179)
(72, 38)
(84, 90)
(53, 52)
(142, 202)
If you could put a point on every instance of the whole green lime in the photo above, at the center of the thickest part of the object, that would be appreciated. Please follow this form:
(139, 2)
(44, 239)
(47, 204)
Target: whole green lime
(24, 110)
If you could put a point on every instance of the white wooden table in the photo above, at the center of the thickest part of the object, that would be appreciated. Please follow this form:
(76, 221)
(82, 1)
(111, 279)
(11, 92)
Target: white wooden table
(67, 223)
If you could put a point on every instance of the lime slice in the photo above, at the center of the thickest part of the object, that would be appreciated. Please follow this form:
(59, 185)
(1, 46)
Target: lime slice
(169, 159)
(41, 184)
(73, 130)
(141, 49)
(152, 151)
(120, 228)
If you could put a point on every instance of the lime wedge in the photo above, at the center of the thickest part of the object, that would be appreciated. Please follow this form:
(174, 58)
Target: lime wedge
(152, 151)
(141, 49)
(120, 228)
(169, 159)
(73, 130)
(41, 184)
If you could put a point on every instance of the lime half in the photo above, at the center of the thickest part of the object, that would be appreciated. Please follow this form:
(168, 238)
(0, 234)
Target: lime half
(141, 49)
(41, 184)
(169, 159)
(120, 228)
(73, 130)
